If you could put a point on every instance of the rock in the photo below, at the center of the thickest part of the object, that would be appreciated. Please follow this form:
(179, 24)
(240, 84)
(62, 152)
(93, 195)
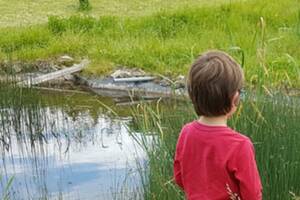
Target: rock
(16, 68)
(180, 82)
(125, 73)
(137, 72)
(44, 66)
(69, 77)
(165, 83)
(180, 77)
(120, 74)
(66, 60)
(55, 67)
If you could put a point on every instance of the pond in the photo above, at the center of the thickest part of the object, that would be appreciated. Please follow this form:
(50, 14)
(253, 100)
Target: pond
(67, 146)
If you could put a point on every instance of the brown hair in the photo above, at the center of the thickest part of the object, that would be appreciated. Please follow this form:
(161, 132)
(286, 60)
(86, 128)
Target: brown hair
(213, 80)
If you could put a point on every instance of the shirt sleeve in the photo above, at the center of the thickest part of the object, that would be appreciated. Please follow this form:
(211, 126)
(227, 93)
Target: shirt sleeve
(246, 172)
(177, 165)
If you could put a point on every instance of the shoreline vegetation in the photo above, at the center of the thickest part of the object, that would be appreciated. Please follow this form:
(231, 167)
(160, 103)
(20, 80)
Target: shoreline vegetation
(276, 142)
(263, 36)
(164, 39)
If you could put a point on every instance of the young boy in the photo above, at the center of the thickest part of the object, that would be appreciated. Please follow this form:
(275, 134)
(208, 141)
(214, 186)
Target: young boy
(212, 161)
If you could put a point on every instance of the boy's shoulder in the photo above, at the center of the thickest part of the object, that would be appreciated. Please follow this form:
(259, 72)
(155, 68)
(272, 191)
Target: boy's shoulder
(187, 126)
(240, 135)
(227, 132)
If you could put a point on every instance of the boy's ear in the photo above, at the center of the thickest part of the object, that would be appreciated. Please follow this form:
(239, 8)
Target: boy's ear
(236, 99)
(234, 104)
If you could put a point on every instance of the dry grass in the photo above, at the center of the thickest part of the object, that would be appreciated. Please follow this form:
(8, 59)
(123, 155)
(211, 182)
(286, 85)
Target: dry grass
(26, 12)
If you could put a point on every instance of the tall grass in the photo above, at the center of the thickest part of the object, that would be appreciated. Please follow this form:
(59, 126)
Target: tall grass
(21, 119)
(272, 124)
(267, 32)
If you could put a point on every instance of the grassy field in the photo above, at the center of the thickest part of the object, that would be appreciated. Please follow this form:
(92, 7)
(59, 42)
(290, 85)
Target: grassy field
(276, 141)
(158, 37)
(28, 12)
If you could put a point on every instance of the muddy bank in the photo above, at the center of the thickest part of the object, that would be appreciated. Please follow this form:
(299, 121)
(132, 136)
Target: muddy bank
(108, 86)
(123, 82)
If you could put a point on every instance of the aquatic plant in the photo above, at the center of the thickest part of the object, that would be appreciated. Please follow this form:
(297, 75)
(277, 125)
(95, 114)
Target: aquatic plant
(5, 190)
(271, 123)
(39, 126)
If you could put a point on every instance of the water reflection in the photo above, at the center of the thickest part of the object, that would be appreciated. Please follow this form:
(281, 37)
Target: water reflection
(63, 152)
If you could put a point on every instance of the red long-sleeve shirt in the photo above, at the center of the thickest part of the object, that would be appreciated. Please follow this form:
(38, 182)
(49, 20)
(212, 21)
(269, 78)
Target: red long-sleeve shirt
(211, 160)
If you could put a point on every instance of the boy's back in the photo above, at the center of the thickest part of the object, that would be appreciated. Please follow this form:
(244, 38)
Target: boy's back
(212, 161)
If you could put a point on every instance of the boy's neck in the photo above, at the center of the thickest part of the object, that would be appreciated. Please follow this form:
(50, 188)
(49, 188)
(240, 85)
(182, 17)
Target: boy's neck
(213, 121)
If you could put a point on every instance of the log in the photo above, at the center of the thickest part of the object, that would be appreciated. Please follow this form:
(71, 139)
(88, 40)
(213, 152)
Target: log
(134, 79)
(54, 75)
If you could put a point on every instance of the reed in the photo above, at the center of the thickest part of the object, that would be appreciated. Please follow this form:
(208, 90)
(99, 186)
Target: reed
(271, 123)
(5, 194)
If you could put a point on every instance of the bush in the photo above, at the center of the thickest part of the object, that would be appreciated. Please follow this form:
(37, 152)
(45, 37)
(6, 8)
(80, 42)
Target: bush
(84, 5)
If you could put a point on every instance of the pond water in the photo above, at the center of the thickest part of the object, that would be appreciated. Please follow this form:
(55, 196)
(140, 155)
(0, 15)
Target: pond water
(67, 146)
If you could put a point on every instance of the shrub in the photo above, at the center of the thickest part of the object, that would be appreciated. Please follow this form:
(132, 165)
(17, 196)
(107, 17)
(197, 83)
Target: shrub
(84, 5)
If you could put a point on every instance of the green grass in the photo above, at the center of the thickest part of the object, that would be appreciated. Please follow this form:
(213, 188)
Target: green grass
(165, 37)
(272, 124)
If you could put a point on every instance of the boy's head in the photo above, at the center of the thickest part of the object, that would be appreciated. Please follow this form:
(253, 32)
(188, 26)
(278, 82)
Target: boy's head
(214, 80)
